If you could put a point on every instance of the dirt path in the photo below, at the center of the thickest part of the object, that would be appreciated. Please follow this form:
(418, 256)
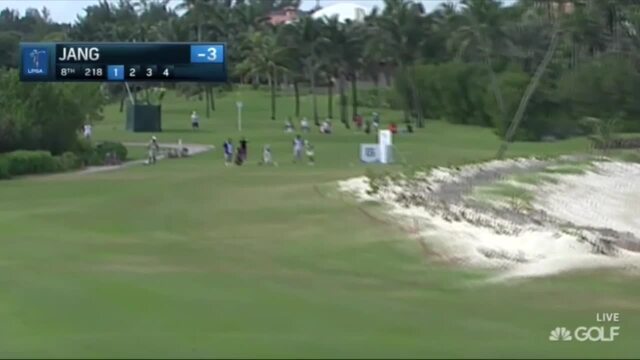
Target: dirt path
(194, 149)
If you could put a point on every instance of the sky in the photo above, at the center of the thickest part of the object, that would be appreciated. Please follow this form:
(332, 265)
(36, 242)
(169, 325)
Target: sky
(67, 10)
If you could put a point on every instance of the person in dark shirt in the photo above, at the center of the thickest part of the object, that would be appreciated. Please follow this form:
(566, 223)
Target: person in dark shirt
(243, 149)
(239, 159)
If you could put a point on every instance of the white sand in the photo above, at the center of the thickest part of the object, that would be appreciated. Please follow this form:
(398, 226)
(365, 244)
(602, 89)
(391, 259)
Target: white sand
(607, 198)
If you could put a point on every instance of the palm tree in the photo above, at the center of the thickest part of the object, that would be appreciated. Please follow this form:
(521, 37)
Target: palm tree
(356, 37)
(402, 24)
(529, 91)
(480, 32)
(263, 57)
(335, 60)
(307, 35)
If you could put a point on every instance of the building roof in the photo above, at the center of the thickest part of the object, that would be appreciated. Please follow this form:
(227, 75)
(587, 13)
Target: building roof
(344, 11)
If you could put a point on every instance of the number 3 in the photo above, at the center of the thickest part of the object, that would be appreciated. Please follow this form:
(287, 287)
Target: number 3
(212, 54)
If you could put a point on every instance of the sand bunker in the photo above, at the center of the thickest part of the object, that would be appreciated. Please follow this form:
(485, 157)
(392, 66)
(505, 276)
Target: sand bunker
(577, 221)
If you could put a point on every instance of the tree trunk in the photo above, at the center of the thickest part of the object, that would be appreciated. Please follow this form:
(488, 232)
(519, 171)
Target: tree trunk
(376, 88)
(343, 98)
(297, 96)
(206, 102)
(387, 76)
(529, 91)
(314, 99)
(354, 95)
(330, 99)
(272, 84)
(415, 99)
(212, 101)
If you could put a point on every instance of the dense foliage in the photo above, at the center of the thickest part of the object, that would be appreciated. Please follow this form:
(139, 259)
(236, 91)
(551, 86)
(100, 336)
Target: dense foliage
(44, 116)
(530, 70)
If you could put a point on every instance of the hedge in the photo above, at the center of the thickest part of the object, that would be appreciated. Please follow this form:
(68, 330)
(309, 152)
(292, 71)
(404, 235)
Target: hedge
(23, 162)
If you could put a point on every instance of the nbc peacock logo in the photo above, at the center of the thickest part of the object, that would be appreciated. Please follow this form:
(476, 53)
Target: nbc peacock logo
(560, 333)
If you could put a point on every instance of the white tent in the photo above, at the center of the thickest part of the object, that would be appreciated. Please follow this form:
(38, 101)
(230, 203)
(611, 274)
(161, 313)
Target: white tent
(345, 11)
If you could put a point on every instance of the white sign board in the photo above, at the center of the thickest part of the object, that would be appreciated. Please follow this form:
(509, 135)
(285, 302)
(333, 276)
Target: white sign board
(385, 143)
(369, 153)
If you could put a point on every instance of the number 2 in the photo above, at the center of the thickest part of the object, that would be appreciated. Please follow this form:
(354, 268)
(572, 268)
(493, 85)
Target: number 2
(132, 72)
(212, 54)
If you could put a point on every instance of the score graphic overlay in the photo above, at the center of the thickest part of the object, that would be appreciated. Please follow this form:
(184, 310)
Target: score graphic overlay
(115, 62)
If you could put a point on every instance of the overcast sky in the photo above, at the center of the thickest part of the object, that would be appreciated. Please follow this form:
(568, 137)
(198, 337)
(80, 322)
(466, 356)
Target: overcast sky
(67, 10)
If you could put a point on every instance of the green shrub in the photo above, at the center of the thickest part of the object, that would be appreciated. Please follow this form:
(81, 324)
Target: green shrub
(86, 153)
(68, 161)
(4, 168)
(23, 162)
(106, 147)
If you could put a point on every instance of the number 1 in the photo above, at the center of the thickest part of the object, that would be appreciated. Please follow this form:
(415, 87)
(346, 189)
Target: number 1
(115, 72)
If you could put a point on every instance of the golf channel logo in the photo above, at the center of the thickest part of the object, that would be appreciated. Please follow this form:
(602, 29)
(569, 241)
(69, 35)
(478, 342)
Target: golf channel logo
(35, 61)
(589, 333)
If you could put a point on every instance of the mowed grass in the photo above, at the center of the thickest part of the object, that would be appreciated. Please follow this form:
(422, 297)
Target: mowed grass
(192, 259)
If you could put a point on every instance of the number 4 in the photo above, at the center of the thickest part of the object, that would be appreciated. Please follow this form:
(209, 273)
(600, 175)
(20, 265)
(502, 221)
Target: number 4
(166, 72)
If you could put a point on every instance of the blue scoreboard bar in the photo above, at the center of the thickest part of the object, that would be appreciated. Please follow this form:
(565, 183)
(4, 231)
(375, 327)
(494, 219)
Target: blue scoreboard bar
(114, 62)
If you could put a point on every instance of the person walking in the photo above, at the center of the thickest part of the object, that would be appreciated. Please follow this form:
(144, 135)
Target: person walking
(310, 152)
(154, 148)
(298, 148)
(244, 151)
(228, 152)
(267, 156)
(195, 120)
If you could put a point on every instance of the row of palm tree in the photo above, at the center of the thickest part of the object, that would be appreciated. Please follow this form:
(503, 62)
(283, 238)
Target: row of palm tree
(393, 39)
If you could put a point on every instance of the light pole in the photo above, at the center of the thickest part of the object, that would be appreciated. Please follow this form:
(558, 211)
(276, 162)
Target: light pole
(239, 107)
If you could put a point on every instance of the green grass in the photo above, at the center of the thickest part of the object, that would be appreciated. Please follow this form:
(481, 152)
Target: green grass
(535, 178)
(569, 169)
(192, 259)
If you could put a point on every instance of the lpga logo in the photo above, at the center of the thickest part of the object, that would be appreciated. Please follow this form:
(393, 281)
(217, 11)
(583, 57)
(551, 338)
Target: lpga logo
(589, 333)
(35, 61)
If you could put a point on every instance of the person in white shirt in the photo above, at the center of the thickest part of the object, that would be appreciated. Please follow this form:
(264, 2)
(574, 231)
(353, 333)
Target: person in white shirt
(288, 126)
(195, 120)
(154, 148)
(267, 157)
(304, 125)
(310, 152)
(298, 147)
(87, 131)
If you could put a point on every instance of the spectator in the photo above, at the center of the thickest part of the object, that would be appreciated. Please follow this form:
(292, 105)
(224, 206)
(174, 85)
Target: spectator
(359, 121)
(87, 131)
(393, 128)
(267, 158)
(243, 149)
(288, 126)
(304, 125)
(228, 152)
(195, 120)
(298, 146)
(310, 152)
(325, 127)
